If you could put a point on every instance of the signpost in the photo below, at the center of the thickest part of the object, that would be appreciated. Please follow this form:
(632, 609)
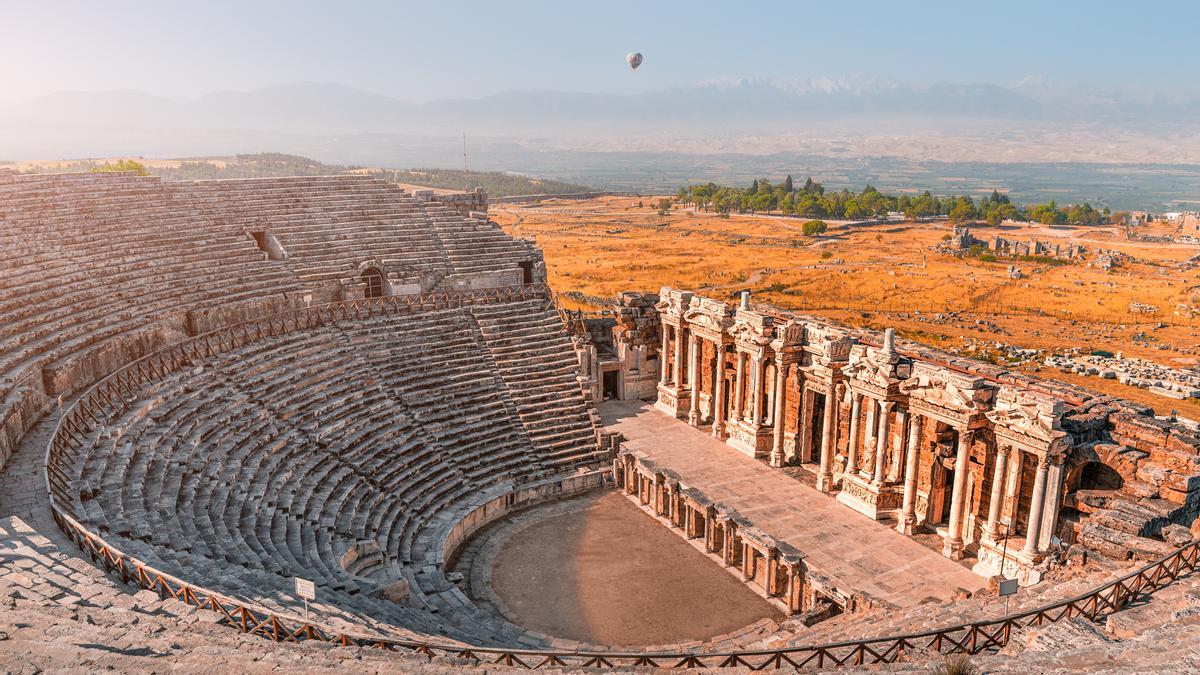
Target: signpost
(1008, 587)
(306, 589)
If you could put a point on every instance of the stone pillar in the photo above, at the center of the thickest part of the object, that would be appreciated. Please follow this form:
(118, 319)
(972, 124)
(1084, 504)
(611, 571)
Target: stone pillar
(795, 588)
(908, 511)
(868, 427)
(694, 379)
(804, 425)
(677, 375)
(1037, 505)
(1054, 479)
(894, 465)
(953, 546)
(881, 441)
(662, 354)
(828, 440)
(852, 448)
(760, 369)
(718, 426)
(777, 415)
(999, 477)
(739, 388)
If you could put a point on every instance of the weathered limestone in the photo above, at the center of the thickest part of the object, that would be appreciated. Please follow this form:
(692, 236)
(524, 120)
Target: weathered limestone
(935, 442)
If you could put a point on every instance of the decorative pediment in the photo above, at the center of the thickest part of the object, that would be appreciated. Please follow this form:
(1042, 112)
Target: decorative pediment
(789, 336)
(672, 302)
(943, 388)
(876, 367)
(832, 343)
(1030, 415)
(699, 319)
(711, 315)
(751, 334)
(870, 372)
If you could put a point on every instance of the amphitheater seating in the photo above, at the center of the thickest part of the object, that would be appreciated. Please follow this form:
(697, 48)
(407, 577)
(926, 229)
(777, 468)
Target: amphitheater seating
(328, 225)
(534, 357)
(87, 258)
(275, 460)
(278, 458)
(100, 269)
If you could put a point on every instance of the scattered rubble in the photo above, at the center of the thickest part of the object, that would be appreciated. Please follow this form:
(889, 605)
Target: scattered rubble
(1172, 382)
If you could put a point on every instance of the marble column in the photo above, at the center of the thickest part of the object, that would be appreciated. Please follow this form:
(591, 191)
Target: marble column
(908, 510)
(760, 368)
(694, 379)
(677, 375)
(718, 427)
(868, 428)
(953, 546)
(897, 459)
(739, 388)
(662, 354)
(999, 478)
(881, 442)
(852, 448)
(828, 436)
(805, 425)
(1036, 506)
(1054, 480)
(778, 414)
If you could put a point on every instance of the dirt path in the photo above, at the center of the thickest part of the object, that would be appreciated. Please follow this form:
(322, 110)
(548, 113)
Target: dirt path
(610, 574)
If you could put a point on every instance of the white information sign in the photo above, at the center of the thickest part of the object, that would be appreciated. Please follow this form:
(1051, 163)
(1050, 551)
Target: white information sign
(306, 589)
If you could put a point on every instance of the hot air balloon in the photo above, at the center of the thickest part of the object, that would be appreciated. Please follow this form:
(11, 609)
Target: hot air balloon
(634, 59)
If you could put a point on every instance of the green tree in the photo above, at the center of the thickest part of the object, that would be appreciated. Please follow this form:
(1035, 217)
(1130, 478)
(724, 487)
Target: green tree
(814, 227)
(121, 166)
(963, 210)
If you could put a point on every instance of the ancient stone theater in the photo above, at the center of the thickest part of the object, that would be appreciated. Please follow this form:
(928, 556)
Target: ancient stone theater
(215, 392)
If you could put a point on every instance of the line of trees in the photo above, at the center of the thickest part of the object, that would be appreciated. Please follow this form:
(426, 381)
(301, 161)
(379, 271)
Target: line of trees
(813, 201)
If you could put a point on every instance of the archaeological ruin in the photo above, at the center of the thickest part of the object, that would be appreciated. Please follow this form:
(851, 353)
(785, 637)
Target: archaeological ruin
(210, 390)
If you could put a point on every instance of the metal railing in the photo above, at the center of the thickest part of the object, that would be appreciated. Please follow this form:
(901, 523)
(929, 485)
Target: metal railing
(109, 396)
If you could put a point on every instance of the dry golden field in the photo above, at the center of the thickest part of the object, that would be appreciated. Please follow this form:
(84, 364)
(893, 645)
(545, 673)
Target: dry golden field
(883, 275)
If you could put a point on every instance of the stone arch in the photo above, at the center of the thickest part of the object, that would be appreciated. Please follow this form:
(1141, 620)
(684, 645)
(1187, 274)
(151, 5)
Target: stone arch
(1112, 457)
(1095, 476)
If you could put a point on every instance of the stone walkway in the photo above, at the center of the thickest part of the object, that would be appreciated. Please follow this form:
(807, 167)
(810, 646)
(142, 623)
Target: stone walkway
(854, 552)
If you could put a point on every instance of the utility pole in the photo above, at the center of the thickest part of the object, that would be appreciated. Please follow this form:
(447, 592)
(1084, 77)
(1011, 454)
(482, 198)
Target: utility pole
(466, 185)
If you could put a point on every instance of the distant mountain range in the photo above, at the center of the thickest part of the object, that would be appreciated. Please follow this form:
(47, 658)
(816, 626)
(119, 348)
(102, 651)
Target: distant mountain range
(716, 106)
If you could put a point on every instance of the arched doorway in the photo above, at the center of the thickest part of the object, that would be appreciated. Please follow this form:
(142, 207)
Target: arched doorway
(373, 279)
(1094, 476)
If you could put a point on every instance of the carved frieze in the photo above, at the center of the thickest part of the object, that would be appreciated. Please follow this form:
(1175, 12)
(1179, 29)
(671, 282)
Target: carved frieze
(1029, 420)
(958, 398)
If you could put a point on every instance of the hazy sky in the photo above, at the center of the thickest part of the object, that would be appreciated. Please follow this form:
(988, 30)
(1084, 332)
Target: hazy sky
(442, 48)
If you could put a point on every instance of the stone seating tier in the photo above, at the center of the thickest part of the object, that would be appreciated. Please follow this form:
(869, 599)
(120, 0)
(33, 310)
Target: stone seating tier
(97, 270)
(276, 459)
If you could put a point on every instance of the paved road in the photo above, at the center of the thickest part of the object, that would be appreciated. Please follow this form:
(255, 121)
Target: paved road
(855, 552)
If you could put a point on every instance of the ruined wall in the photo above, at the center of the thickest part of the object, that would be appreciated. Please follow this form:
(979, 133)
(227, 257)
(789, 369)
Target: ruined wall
(466, 203)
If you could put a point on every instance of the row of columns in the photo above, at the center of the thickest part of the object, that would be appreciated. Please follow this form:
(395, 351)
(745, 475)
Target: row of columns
(749, 387)
(1002, 483)
(877, 427)
(748, 384)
